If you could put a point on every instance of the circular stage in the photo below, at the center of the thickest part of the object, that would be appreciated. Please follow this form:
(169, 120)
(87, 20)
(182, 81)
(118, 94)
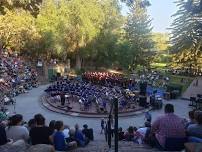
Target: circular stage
(88, 114)
(93, 95)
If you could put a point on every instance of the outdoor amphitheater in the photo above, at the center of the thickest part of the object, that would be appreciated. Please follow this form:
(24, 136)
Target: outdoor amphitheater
(100, 75)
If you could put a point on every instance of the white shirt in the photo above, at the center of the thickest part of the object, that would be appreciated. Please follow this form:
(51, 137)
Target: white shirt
(66, 133)
(17, 132)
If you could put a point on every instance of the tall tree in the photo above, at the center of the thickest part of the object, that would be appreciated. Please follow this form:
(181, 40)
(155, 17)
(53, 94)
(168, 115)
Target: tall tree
(103, 49)
(161, 41)
(138, 32)
(144, 3)
(16, 30)
(52, 23)
(33, 6)
(85, 20)
(186, 33)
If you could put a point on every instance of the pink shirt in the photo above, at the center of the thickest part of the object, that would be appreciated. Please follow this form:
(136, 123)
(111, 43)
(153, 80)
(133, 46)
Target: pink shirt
(168, 125)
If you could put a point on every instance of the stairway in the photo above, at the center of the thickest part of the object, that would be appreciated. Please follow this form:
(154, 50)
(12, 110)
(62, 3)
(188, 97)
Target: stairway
(193, 90)
(124, 146)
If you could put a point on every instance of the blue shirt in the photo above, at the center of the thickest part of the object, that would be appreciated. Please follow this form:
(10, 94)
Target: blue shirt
(195, 130)
(80, 137)
(59, 141)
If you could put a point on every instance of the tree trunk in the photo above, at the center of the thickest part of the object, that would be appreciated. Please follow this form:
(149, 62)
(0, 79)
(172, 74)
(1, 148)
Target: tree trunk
(78, 61)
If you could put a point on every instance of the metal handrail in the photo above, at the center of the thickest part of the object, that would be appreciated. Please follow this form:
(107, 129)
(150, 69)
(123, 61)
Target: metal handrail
(114, 109)
(108, 126)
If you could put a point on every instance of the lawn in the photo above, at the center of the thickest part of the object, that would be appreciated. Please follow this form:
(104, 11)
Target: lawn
(177, 80)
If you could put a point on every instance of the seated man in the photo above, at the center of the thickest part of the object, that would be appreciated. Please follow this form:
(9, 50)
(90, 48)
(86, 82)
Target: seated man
(191, 119)
(121, 134)
(88, 132)
(59, 138)
(40, 134)
(195, 130)
(80, 137)
(167, 126)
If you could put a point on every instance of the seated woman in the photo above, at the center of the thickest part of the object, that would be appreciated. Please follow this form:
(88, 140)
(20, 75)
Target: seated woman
(195, 130)
(15, 130)
(59, 138)
(80, 137)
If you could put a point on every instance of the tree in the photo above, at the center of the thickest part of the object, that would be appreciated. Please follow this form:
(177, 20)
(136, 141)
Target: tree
(103, 50)
(85, 20)
(143, 3)
(186, 31)
(16, 30)
(194, 7)
(161, 41)
(161, 48)
(138, 32)
(33, 6)
(52, 23)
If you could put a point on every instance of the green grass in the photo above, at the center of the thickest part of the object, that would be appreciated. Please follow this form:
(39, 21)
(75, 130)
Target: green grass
(176, 80)
(158, 65)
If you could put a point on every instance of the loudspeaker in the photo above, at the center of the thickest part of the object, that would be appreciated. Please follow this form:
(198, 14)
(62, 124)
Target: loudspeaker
(143, 101)
(143, 88)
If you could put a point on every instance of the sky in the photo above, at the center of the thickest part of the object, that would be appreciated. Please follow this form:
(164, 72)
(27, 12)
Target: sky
(160, 12)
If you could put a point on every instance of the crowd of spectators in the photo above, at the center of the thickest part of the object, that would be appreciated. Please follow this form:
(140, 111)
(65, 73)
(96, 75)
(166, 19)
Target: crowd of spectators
(16, 76)
(58, 135)
(167, 132)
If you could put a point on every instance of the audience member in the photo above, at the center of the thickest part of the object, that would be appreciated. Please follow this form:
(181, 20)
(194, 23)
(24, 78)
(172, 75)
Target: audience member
(85, 131)
(59, 138)
(15, 130)
(80, 137)
(121, 134)
(167, 126)
(66, 133)
(195, 130)
(3, 137)
(72, 134)
(40, 134)
(129, 135)
(52, 126)
(31, 124)
(191, 119)
(88, 132)
(142, 133)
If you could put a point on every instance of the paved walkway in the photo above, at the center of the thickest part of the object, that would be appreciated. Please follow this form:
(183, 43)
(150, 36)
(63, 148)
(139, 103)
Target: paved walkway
(29, 104)
(193, 90)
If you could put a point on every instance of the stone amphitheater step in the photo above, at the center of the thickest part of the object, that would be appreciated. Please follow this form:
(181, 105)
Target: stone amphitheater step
(124, 146)
(42, 80)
